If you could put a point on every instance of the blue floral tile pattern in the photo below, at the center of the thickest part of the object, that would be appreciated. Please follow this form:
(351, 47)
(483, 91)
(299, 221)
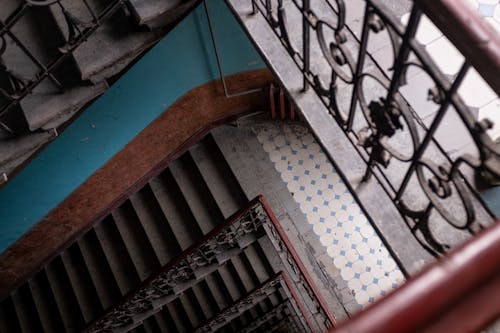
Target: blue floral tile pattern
(333, 214)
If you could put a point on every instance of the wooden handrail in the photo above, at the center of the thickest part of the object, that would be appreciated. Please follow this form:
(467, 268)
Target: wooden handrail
(478, 41)
(459, 293)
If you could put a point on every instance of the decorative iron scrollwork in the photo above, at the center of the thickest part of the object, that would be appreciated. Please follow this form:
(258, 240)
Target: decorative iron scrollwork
(388, 118)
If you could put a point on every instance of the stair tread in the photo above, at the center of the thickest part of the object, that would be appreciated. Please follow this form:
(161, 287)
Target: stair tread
(65, 298)
(135, 239)
(50, 111)
(99, 269)
(45, 302)
(27, 313)
(111, 48)
(7, 310)
(179, 316)
(15, 148)
(155, 225)
(82, 283)
(196, 192)
(117, 255)
(218, 176)
(176, 210)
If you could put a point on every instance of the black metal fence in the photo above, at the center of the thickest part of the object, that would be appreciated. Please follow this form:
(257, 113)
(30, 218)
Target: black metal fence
(44, 66)
(429, 185)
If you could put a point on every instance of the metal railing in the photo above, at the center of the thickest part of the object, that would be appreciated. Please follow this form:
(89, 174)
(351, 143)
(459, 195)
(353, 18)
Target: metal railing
(16, 85)
(427, 184)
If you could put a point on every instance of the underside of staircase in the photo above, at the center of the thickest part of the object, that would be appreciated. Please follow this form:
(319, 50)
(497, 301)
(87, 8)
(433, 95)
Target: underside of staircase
(58, 56)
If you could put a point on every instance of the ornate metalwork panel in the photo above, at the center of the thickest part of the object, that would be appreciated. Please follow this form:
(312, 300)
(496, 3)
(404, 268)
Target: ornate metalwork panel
(434, 190)
(193, 264)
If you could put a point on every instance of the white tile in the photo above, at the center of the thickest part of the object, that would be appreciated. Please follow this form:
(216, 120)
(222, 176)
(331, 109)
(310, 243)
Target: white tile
(446, 56)
(475, 91)
(427, 31)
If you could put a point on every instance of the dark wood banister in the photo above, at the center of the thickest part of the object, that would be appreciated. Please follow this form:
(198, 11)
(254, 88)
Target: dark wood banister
(477, 40)
(459, 293)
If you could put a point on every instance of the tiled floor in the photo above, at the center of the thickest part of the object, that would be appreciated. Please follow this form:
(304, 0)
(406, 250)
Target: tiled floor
(331, 211)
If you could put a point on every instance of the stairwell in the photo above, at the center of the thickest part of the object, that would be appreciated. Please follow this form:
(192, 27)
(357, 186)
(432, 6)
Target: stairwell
(152, 229)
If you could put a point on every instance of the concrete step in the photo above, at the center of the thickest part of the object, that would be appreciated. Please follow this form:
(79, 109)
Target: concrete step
(116, 254)
(196, 192)
(43, 298)
(155, 225)
(47, 111)
(135, 239)
(176, 209)
(26, 311)
(99, 269)
(81, 283)
(218, 176)
(64, 294)
(154, 14)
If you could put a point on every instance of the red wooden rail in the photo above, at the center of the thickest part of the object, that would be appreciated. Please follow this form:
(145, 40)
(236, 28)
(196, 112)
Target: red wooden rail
(459, 293)
(296, 257)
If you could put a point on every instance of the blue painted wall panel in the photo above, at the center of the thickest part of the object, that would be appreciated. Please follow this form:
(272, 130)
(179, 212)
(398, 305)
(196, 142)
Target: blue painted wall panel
(184, 59)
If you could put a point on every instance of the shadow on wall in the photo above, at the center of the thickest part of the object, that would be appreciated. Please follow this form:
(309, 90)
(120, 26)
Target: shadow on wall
(184, 59)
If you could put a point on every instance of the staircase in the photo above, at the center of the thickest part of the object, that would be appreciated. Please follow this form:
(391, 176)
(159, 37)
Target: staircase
(57, 56)
(149, 245)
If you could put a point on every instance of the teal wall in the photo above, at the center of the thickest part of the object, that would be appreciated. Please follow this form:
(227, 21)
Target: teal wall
(184, 59)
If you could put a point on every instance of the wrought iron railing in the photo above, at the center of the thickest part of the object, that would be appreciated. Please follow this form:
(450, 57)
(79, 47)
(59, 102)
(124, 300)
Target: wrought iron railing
(429, 187)
(217, 247)
(16, 85)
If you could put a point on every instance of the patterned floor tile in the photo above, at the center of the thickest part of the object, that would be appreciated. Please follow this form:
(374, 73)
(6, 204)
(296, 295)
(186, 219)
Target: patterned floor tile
(333, 214)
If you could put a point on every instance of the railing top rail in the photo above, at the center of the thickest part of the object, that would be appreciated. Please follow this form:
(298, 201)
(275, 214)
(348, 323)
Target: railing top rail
(465, 276)
(477, 40)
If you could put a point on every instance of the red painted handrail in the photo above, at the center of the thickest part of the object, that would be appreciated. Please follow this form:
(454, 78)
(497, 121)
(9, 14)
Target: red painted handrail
(459, 293)
(296, 257)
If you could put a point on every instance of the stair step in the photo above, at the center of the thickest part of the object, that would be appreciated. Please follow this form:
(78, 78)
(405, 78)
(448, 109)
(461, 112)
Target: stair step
(218, 176)
(167, 317)
(44, 111)
(197, 193)
(151, 325)
(218, 291)
(11, 321)
(192, 308)
(136, 241)
(162, 323)
(155, 225)
(99, 269)
(45, 302)
(179, 316)
(205, 299)
(13, 149)
(154, 14)
(176, 210)
(81, 283)
(111, 48)
(233, 284)
(26, 310)
(65, 297)
(117, 255)
(244, 273)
